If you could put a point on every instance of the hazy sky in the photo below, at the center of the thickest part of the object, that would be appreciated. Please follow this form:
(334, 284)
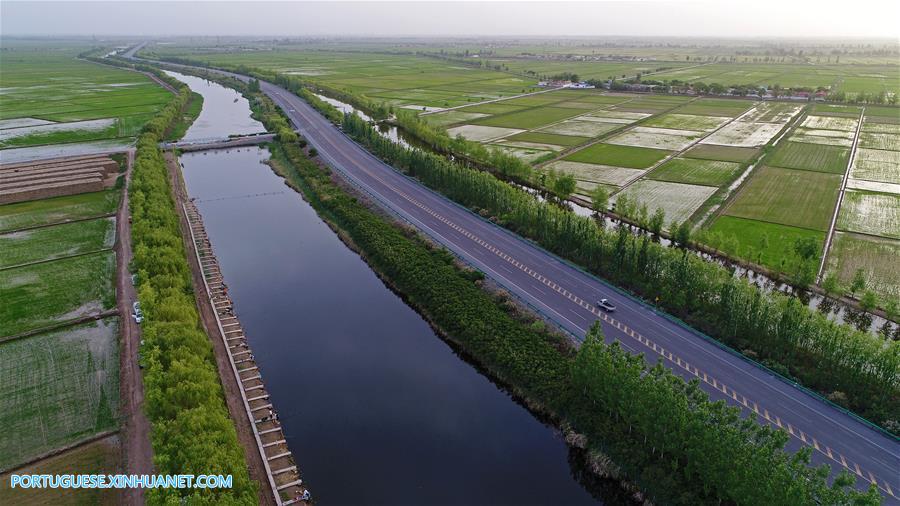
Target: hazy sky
(753, 18)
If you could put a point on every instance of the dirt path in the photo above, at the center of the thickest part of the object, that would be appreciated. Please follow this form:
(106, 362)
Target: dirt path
(137, 454)
(232, 391)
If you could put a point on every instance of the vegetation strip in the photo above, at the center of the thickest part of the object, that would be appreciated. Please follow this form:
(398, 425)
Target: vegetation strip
(192, 431)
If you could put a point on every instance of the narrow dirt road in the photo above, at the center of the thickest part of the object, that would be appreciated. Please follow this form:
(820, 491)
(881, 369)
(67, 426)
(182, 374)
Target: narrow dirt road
(232, 390)
(137, 455)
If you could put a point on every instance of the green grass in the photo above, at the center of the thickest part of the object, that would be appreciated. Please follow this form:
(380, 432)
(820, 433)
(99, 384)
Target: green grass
(724, 153)
(98, 457)
(691, 171)
(529, 118)
(618, 156)
(797, 198)
(56, 388)
(817, 157)
(40, 295)
(870, 213)
(57, 241)
(544, 138)
(758, 241)
(53, 210)
(876, 256)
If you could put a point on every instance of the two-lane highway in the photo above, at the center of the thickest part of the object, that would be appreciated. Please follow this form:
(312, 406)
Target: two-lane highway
(569, 296)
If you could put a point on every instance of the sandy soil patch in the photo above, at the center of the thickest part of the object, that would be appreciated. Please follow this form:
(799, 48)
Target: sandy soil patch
(531, 145)
(871, 213)
(818, 139)
(89, 125)
(677, 200)
(659, 138)
(876, 165)
(771, 112)
(633, 116)
(482, 133)
(829, 123)
(580, 128)
(529, 155)
(744, 134)
(606, 174)
(875, 186)
(22, 122)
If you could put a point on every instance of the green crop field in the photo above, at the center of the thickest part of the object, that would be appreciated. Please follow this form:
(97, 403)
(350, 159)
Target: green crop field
(691, 171)
(56, 241)
(43, 294)
(98, 457)
(876, 256)
(618, 156)
(51, 85)
(817, 157)
(57, 388)
(493, 108)
(870, 213)
(798, 198)
(57, 209)
(725, 153)
(758, 241)
(886, 141)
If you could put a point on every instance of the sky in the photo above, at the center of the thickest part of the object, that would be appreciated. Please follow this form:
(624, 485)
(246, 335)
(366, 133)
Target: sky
(755, 18)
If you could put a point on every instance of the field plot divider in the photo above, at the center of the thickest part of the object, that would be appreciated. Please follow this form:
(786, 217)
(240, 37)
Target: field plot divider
(837, 206)
(234, 369)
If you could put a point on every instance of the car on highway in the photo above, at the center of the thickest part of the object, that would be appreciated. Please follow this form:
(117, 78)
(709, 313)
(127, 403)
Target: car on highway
(606, 305)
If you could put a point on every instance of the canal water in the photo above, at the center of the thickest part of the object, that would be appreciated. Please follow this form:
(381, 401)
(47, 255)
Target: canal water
(376, 408)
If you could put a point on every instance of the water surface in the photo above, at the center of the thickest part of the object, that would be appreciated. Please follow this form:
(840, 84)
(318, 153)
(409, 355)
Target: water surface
(376, 408)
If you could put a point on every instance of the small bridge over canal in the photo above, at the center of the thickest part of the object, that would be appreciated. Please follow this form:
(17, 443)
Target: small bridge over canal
(218, 142)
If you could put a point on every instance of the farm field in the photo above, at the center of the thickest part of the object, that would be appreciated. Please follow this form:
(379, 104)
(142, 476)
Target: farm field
(797, 155)
(656, 138)
(57, 388)
(724, 153)
(616, 176)
(400, 80)
(687, 121)
(618, 156)
(690, 171)
(48, 243)
(51, 97)
(788, 197)
(744, 134)
(98, 457)
(765, 243)
(39, 295)
(71, 207)
(677, 200)
(876, 256)
(870, 213)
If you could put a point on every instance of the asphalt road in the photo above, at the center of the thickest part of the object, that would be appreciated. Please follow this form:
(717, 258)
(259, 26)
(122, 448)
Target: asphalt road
(568, 296)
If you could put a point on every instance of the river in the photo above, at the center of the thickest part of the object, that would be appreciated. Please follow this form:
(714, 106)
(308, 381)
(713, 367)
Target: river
(375, 406)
